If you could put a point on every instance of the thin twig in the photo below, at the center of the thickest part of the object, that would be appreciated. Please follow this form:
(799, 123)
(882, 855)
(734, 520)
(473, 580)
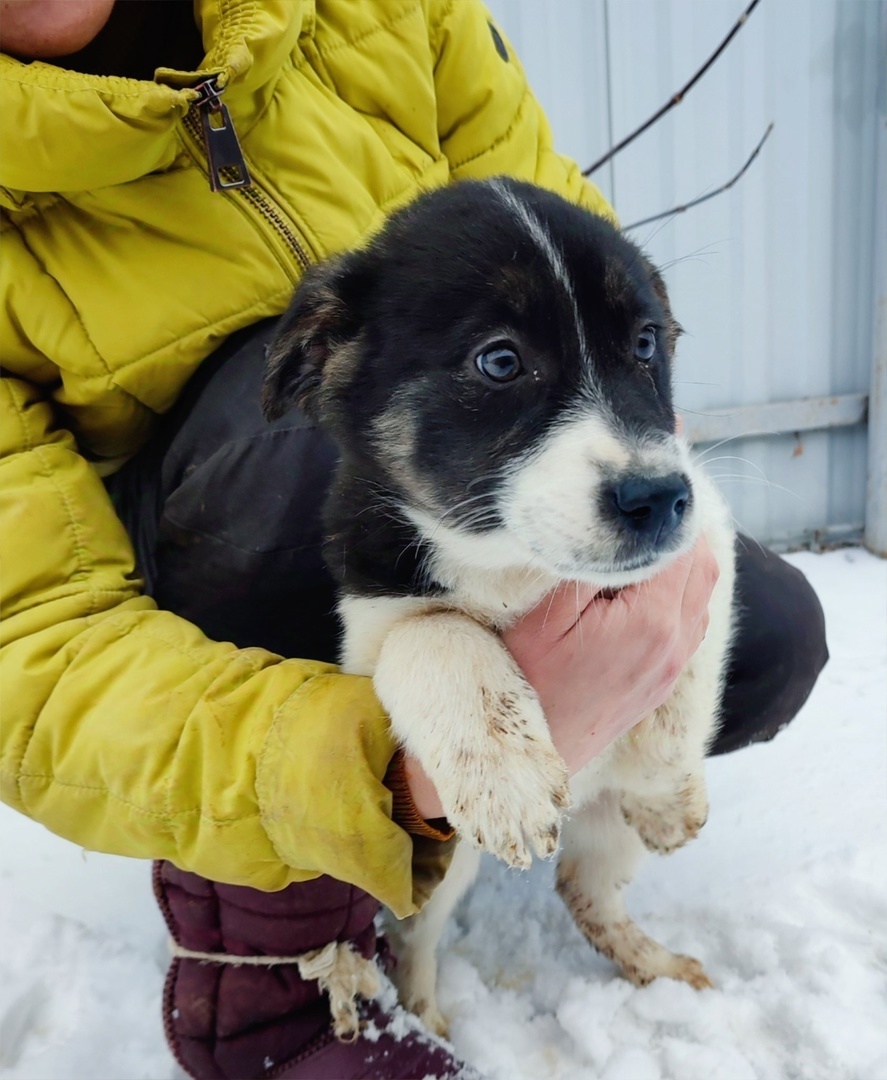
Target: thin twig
(677, 98)
(710, 195)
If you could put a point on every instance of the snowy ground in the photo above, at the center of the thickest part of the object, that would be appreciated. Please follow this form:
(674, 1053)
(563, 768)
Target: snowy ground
(784, 898)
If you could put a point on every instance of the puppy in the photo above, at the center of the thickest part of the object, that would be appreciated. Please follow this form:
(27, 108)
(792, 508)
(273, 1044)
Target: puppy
(495, 367)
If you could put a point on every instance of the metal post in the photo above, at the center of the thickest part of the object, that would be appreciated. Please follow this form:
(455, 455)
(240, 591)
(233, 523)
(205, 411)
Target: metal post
(876, 493)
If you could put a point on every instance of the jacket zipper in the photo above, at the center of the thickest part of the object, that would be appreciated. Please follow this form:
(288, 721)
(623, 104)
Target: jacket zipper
(227, 168)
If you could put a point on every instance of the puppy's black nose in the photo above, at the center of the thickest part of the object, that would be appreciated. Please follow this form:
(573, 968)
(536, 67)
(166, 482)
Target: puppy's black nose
(652, 506)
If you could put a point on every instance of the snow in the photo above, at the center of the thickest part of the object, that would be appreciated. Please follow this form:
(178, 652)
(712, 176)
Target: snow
(783, 897)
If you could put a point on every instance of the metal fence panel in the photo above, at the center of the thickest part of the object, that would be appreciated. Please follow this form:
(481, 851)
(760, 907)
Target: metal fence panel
(773, 281)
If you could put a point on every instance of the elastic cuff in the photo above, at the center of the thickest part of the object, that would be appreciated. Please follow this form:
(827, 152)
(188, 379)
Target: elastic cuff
(404, 810)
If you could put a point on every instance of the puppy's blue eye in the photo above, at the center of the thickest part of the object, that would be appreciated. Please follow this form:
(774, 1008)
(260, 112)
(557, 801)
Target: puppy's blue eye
(500, 365)
(645, 346)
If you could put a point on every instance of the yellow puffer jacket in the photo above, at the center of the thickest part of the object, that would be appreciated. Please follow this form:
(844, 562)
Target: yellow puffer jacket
(124, 728)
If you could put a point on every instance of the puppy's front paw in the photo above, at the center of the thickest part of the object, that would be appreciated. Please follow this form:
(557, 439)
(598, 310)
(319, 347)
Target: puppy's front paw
(433, 1019)
(666, 823)
(670, 966)
(689, 970)
(418, 994)
(511, 803)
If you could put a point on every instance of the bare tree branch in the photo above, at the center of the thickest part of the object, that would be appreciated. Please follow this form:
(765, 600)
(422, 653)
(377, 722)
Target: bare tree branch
(710, 195)
(677, 98)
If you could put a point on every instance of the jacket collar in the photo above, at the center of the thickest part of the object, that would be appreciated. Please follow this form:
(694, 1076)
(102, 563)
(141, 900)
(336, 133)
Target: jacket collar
(63, 131)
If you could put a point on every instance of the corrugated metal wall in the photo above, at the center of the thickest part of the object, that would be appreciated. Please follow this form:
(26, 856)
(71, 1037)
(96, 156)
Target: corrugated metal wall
(773, 280)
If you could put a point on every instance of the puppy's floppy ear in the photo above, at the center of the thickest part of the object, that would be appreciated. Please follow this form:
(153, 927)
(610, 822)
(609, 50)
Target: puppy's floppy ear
(673, 327)
(324, 315)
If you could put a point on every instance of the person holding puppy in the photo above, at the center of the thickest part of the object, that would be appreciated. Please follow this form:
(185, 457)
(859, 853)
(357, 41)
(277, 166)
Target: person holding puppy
(168, 171)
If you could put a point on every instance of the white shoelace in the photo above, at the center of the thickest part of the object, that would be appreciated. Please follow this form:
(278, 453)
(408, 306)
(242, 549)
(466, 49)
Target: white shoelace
(340, 972)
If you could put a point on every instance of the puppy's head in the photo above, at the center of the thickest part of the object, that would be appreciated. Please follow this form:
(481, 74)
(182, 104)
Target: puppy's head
(500, 361)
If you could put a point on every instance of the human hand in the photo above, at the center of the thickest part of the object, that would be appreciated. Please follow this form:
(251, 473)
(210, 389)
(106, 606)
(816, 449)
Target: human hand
(601, 663)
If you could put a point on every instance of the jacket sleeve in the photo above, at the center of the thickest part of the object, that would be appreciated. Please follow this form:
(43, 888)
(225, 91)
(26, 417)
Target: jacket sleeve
(126, 730)
(489, 122)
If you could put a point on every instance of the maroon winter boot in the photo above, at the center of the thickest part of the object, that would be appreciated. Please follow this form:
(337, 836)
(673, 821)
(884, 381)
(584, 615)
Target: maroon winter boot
(297, 1006)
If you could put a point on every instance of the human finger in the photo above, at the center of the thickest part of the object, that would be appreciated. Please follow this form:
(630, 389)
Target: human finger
(701, 581)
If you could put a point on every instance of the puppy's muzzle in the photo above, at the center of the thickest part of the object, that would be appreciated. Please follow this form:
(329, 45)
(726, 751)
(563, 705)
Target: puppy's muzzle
(649, 509)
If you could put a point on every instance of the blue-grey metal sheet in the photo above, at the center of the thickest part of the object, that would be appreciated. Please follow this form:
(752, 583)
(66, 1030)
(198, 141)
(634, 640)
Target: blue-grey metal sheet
(772, 280)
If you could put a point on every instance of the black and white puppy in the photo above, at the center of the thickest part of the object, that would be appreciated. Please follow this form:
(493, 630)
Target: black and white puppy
(495, 367)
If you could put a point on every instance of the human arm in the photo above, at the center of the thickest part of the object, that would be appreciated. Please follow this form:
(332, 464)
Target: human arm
(489, 121)
(126, 730)
(80, 779)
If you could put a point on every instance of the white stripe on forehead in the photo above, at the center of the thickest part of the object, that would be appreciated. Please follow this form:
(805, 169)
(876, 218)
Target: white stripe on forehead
(546, 245)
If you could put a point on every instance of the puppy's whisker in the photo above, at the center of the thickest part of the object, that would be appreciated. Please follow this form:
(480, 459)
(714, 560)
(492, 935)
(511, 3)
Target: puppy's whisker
(700, 457)
(459, 506)
(742, 535)
(745, 478)
(578, 619)
(490, 478)
(468, 499)
(762, 477)
(700, 251)
(551, 596)
(734, 457)
(740, 478)
(645, 243)
(478, 520)
(477, 514)
(695, 382)
(688, 258)
(377, 507)
(533, 585)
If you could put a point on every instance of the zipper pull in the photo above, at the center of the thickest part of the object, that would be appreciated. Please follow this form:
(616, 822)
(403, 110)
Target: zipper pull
(222, 147)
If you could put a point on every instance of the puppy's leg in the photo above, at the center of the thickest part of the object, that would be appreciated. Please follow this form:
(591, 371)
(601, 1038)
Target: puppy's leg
(460, 705)
(666, 821)
(660, 764)
(600, 855)
(417, 938)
